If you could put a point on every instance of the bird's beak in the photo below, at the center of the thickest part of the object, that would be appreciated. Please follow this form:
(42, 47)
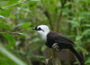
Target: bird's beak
(34, 28)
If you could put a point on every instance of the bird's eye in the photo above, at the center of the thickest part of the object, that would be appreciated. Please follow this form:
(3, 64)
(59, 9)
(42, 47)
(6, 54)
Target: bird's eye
(39, 29)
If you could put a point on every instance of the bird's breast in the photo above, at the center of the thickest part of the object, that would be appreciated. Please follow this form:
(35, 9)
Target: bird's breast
(49, 43)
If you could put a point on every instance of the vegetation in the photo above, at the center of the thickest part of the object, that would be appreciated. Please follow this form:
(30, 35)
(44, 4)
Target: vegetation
(20, 45)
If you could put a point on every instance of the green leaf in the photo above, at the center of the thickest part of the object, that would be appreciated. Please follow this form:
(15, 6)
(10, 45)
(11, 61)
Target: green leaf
(78, 38)
(74, 23)
(6, 12)
(10, 2)
(68, 3)
(88, 61)
(5, 26)
(85, 25)
(43, 48)
(26, 25)
(86, 32)
(10, 39)
(33, 3)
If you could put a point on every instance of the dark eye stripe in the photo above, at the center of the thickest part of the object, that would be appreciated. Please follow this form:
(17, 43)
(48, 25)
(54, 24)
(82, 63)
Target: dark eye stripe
(39, 29)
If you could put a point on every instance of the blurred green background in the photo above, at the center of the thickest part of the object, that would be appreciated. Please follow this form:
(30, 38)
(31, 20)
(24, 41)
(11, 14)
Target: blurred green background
(20, 45)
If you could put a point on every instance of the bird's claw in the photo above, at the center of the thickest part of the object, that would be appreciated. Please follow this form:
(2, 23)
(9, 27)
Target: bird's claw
(55, 45)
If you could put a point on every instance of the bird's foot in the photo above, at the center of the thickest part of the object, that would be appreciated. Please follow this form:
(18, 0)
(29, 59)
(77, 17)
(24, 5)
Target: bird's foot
(55, 45)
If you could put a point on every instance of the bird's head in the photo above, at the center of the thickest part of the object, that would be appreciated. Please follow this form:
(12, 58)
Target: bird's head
(43, 30)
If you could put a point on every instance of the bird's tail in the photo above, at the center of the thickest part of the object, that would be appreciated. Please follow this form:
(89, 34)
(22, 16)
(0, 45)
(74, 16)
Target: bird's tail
(79, 57)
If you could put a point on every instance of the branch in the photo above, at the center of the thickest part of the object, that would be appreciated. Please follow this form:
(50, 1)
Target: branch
(49, 18)
(60, 14)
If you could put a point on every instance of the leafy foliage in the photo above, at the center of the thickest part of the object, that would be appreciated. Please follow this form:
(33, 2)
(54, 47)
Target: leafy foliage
(70, 17)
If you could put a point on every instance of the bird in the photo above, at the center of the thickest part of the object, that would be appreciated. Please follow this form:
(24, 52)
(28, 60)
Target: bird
(58, 40)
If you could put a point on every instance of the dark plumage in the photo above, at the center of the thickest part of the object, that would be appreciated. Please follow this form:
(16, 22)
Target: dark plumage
(63, 43)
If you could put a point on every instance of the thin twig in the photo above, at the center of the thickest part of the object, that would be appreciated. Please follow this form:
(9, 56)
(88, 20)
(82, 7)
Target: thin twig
(49, 18)
(60, 15)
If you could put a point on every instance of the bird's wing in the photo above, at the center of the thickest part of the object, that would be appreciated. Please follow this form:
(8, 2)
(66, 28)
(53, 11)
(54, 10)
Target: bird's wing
(59, 38)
